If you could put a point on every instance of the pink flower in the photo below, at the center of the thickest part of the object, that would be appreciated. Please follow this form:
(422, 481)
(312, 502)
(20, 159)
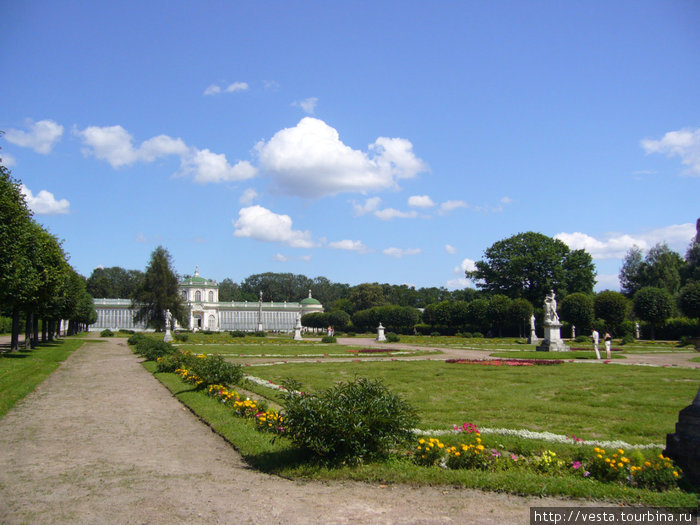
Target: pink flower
(576, 465)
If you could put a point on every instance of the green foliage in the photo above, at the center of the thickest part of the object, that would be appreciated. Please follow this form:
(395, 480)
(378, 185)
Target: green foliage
(689, 300)
(654, 305)
(181, 337)
(159, 291)
(660, 268)
(349, 422)
(329, 339)
(237, 333)
(627, 339)
(399, 319)
(106, 333)
(530, 264)
(214, 370)
(611, 307)
(259, 334)
(391, 337)
(152, 349)
(114, 282)
(577, 309)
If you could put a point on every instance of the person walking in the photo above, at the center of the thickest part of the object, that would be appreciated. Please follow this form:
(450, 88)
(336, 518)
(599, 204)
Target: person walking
(595, 337)
(608, 341)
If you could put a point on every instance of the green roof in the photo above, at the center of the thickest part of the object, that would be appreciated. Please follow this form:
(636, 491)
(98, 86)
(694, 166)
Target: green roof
(309, 300)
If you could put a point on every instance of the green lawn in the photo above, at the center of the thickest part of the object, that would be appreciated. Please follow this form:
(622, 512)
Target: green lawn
(267, 349)
(575, 354)
(593, 401)
(21, 372)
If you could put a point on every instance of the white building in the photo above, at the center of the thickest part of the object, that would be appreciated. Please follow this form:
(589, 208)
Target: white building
(206, 312)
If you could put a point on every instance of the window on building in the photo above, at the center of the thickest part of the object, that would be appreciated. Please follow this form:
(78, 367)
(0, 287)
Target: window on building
(211, 297)
(198, 296)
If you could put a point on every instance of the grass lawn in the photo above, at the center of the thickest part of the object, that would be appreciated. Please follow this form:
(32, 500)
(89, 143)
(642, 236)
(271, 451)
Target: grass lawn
(21, 372)
(283, 458)
(266, 349)
(594, 401)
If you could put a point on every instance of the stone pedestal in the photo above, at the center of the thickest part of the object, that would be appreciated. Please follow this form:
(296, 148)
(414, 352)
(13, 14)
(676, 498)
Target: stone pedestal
(168, 338)
(552, 339)
(533, 339)
(380, 333)
(683, 446)
(297, 329)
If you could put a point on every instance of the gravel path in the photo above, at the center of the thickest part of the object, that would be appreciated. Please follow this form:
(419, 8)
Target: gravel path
(102, 441)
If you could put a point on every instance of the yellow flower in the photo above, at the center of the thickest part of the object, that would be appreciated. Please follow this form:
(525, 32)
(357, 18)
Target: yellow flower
(620, 451)
(675, 474)
(647, 464)
(599, 456)
(421, 441)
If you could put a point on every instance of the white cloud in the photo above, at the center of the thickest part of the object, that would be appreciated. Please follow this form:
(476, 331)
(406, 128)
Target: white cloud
(41, 137)
(207, 167)
(684, 143)
(261, 224)
(44, 203)
(370, 205)
(459, 283)
(280, 258)
(388, 214)
(506, 200)
(305, 258)
(420, 201)
(450, 249)
(467, 265)
(448, 206)
(310, 160)
(7, 160)
(399, 252)
(346, 244)
(308, 104)
(248, 196)
(616, 245)
(115, 145)
(607, 281)
(215, 89)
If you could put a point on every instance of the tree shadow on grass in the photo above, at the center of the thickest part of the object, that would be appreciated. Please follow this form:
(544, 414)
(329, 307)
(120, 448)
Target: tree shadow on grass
(276, 461)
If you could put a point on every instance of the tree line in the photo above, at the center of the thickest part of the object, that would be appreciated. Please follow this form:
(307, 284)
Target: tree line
(38, 287)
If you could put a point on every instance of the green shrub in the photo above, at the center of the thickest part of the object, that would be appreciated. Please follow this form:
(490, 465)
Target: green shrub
(329, 339)
(181, 337)
(150, 349)
(435, 334)
(685, 341)
(237, 333)
(213, 370)
(582, 339)
(627, 339)
(135, 339)
(349, 422)
(477, 335)
(391, 337)
(467, 335)
(350, 334)
(259, 334)
(123, 331)
(106, 333)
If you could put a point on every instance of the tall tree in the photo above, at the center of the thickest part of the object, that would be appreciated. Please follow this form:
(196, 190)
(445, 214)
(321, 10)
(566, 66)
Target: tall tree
(654, 305)
(611, 307)
(529, 265)
(660, 268)
(159, 292)
(577, 309)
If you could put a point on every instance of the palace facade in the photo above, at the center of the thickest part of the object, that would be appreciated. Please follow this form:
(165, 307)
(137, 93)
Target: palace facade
(206, 312)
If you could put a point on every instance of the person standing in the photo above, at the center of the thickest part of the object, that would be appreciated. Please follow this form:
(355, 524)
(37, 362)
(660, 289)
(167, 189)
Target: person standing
(595, 337)
(608, 341)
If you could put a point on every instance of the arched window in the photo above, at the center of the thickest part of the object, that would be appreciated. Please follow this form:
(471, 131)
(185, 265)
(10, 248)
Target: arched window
(184, 294)
(212, 322)
(198, 296)
(211, 297)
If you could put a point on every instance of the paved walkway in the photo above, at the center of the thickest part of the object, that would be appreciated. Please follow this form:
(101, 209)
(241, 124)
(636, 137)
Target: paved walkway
(102, 441)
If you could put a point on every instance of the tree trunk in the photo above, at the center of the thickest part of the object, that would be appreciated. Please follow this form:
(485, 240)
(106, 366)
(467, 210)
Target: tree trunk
(51, 329)
(28, 330)
(44, 331)
(35, 329)
(14, 340)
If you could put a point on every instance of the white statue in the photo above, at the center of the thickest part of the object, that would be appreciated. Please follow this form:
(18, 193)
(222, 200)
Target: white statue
(532, 322)
(550, 309)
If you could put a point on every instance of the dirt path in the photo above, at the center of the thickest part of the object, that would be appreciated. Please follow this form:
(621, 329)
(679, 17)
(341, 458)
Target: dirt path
(101, 441)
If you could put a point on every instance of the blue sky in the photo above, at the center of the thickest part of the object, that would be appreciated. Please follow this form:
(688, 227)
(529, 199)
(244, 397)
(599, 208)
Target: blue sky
(361, 141)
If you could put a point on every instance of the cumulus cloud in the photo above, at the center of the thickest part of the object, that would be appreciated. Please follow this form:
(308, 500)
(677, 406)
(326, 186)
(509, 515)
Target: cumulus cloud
(450, 249)
(215, 89)
(370, 205)
(116, 145)
(616, 245)
(399, 252)
(41, 137)
(280, 258)
(44, 202)
(684, 143)
(308, 104)
(467, 265)
(206, 166)
(459, 283)
(261, 224)
(248, 196)
(349, 245)
(310, 160)
(448, 206)
(506, 200)
(420, 201)
(388, 214)
(7, 160)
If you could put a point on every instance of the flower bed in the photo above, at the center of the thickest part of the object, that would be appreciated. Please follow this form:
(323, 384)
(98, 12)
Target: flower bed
(588, 349)
(505, 362)
(372, 350)
(631, 470)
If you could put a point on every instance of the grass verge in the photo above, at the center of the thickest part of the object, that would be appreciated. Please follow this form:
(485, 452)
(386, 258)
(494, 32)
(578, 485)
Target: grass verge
(283, 459)
(21, 372)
